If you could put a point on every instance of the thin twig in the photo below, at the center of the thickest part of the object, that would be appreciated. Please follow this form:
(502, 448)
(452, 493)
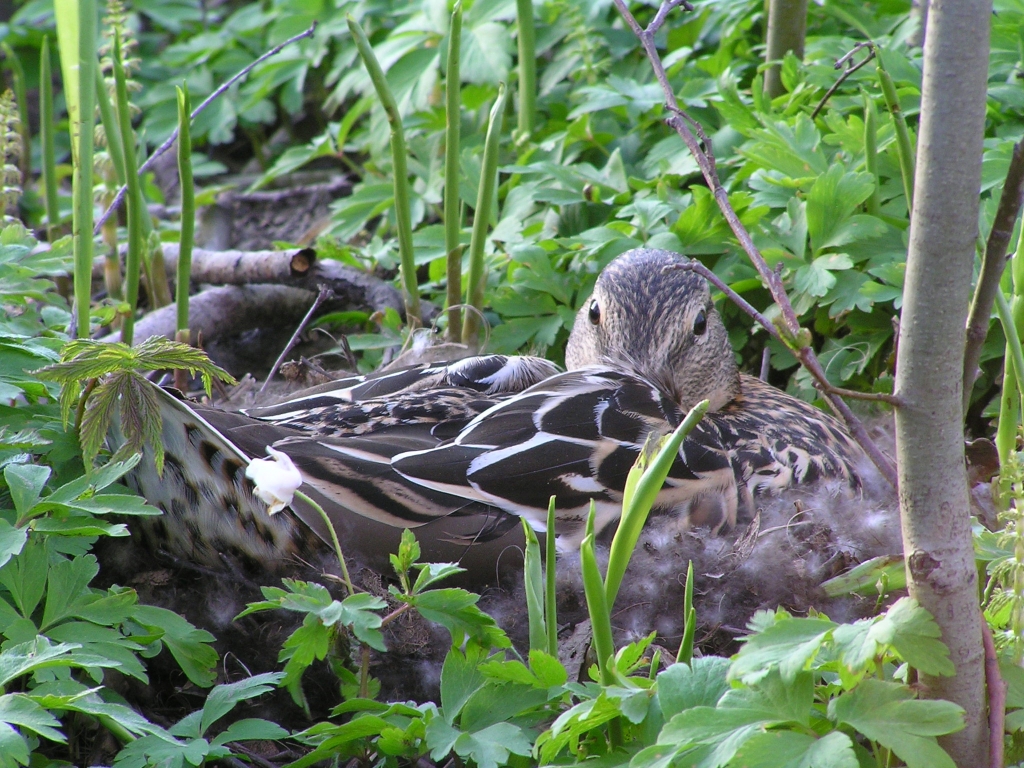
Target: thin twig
(169, 142)
(846, 73)
(324, 294)
(996, 699)
(993, 263)
(681, 123)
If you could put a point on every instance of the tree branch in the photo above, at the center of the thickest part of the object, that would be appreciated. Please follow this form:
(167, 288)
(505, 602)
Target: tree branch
(694, 137)
(169, 142)
(993, 263)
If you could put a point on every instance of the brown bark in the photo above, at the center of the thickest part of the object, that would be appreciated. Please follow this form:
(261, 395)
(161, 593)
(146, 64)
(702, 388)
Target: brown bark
(934, 500)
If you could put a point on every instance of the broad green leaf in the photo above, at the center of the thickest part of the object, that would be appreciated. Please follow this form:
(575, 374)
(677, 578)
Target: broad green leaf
(19, 709)
(190, 646)
(460, 679)
(774, 698)
(791, 749)
(790, 643)
(13, 747)
(833, 197)
(492, 746)
(886, 713)
(816, 278)
(251, 729)
(699, 684)
(497, 702)
(12, 541)
(29, 656)
(25, 482)
(223, 698)
(456, 609)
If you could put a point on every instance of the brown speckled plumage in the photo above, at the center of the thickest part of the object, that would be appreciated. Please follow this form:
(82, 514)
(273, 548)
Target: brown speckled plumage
(461, 452)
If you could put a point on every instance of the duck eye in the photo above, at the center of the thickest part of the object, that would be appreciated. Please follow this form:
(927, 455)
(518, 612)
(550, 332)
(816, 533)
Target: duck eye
(700, 325)
(594, 313)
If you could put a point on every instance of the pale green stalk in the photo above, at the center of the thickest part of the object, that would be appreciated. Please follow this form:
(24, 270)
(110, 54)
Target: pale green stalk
(403, 217)
(1010, 399)
(639, 496)
(334, 540)
(871, 151)
(685, 653)
(135, 211)
(533, 579)
(115, 143)
(527, 68)
(46, 124)
(477, 278)
(904, 151)
(551, 602)
(452, 202)
(188, 212)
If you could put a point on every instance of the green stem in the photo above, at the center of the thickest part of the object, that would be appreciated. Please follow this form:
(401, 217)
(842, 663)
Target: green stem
(551, 602)
(638, 505)
(1010, 399)
(46, 124)
(477, 278)
(115, 142)
(188, 212)
(871, 151)
(334, 540)
(452, 201)
(135, 236)
(904, 151)
(527, 68)
(403, 217)
(533, 581)
(685, 653)
(82, 177)
(597, 607)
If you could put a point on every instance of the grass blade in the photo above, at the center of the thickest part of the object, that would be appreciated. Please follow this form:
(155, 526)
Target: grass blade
(550, 603)
(46, 124)
(534, 582)
(452, 201)
(188, 213)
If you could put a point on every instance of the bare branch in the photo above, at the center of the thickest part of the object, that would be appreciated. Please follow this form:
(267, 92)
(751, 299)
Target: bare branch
(169, 142)
(323, 295)
(996, 699)
(845, 59)
(689, 131)
(992, 264)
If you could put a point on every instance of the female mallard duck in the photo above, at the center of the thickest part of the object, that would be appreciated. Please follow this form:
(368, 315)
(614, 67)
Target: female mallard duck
(459, 452)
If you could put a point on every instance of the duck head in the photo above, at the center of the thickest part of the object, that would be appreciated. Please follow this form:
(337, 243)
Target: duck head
(654, 320)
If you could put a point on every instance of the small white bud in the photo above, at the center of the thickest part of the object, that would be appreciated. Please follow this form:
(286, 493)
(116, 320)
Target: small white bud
(276, 479)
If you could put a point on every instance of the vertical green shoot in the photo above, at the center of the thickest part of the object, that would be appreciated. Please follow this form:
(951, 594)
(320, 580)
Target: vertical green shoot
(640, 495)
(46, 124)
(904, 151)
(135, 202)
(477, 278)
(452, 202)
(871, 151)
(23, 127)
(188, 212)
(399, 161)
(115, 144)
(1010, 400)
(76, 27)
(527, 69)
(533, 579)
(685, 653)
(551, 601)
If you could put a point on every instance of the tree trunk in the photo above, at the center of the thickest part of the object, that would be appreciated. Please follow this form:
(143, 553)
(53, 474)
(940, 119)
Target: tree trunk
(787, 27)
(929, 432)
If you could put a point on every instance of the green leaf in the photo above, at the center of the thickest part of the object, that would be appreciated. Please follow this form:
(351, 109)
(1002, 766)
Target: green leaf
(832, 198)
(699, 684)
(775, 698)
(460, 679)
(816, 278)
(223, 698)
(13, 746)
(251, 729)
(25, 482)
(19, 709)
(190, 646)
(790, 643)
(886, 713)
(456, 610)
(12, 541)
(790, 749)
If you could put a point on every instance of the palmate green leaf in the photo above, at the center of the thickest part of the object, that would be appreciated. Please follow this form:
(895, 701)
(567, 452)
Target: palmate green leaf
(31, 655)
(498, 702)
(93, 481)
(698, 684)
(816, 278)
(75, 697)
(491, 747)
(791, 749)
(833, 197)
(25, 483)
(251, 729)
(68, 587)
(20, 710)
(887, 713)
(461, 677)
(12, 541)
(163, 751)
(456, 610)
(13, 747)
(789, 643)
(774, 698)
(25, 576)
(573, 724)
(306, 644)
(357, 612)
(190, 646)
(135, 401)
(223, 698)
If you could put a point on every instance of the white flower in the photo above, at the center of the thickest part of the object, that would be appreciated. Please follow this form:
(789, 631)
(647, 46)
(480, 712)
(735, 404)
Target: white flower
(276, 479)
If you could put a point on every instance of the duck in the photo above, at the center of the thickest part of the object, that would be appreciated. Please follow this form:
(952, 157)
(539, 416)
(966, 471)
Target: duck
(462, 452)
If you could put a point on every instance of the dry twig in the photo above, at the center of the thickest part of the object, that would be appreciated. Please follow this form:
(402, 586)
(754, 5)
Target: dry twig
(789, 330)
(323, 295)
(846, 59)
(996, 699)
(119, 198)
